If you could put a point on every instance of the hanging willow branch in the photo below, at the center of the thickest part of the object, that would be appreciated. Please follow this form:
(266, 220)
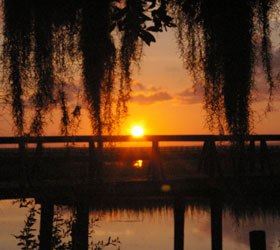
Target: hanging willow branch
(43, 59)
(16, 53)
(99, 58)
(51, 42)
(216, 40)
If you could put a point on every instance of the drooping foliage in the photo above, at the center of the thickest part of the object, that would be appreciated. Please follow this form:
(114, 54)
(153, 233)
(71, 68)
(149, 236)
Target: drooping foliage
(217, 39)
(48, 44)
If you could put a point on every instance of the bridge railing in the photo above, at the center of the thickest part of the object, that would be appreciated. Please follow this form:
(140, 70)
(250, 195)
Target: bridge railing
(96, 143)
(129, 138)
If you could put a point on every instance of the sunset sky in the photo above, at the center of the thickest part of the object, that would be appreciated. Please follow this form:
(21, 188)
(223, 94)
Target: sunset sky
(164, 101)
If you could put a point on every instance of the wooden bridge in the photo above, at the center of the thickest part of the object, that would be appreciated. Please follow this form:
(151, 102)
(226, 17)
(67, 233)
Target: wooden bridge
(129, 138)
(95, 145)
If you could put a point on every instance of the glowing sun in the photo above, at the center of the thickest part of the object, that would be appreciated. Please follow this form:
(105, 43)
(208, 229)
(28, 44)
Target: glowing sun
(137, 131)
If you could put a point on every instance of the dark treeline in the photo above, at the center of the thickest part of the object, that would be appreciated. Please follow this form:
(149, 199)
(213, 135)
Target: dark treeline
(47, 44)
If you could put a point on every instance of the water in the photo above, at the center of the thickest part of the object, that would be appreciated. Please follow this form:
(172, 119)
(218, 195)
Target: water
(147, 225)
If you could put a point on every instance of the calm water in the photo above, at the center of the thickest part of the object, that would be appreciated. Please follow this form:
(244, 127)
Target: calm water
(148, 226)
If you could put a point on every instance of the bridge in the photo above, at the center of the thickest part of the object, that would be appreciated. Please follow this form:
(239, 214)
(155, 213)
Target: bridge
(129, 138)
(95, 146)
(157, 184)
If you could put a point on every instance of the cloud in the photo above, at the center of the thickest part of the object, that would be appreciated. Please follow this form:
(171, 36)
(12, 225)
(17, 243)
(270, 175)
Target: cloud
(190, 95)
(151, 98)
(138, 86)
(147, 94)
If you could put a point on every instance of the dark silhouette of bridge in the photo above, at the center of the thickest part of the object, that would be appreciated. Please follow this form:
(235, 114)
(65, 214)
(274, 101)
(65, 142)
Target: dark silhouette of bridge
(95, 146)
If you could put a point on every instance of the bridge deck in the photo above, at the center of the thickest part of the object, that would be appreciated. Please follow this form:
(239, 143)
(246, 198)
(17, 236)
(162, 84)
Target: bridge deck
(91, 179)
(129, 138)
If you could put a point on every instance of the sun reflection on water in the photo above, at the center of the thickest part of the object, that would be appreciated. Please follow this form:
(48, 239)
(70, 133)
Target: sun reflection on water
(138, 164)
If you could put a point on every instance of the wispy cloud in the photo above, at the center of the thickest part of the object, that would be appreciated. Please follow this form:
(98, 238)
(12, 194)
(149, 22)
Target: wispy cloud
(190, 95)
(151, 98)
(147, 94)
(140, 87)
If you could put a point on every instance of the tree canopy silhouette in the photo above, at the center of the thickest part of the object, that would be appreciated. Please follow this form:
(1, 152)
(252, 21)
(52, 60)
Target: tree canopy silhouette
(218, 40)
(46, 43)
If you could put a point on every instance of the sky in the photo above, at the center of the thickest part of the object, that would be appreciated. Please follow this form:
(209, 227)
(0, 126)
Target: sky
(164, 100)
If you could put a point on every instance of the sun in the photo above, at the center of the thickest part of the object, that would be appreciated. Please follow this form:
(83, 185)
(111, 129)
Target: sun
(137, 131)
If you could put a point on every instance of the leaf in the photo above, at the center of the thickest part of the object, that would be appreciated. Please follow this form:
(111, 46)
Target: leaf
(147, 37)
(121, 25)
(154, 29)
(144, 18)
(153, 4)
(171, 25)
(119, 13)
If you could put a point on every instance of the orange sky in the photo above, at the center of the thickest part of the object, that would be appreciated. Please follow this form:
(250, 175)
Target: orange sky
(163, 101)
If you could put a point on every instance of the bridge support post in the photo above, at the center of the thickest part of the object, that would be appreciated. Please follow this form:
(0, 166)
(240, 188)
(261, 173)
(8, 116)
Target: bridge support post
(47, 212)
(95, 161)
(22, 172)
(216, 225)
(264, 158)
(100, 159)
(156, 167)
(80, 227)
(252, 156)
(209, 161)
(39, 148)
(92, 160)
(257, 240)
(36, 167)
(179, 224)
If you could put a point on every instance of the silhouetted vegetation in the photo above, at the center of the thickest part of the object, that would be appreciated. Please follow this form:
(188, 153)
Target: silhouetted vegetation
(62, 230)
(218, 42)
(48, 44)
